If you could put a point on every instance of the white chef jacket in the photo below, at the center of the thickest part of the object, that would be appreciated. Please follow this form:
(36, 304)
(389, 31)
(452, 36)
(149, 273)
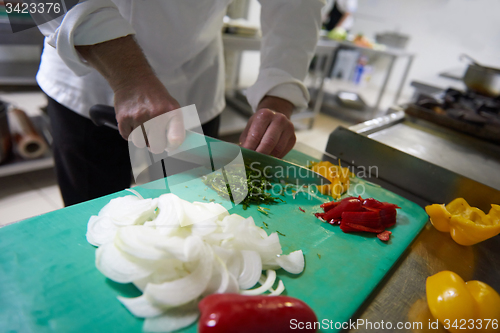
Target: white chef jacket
(182, 41)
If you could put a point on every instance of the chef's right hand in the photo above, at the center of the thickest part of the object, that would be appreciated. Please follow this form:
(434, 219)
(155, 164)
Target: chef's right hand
(140, 96)
(147, 102)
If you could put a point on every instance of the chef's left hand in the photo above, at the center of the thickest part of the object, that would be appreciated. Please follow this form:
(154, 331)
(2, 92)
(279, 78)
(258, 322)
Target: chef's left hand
(269, 130)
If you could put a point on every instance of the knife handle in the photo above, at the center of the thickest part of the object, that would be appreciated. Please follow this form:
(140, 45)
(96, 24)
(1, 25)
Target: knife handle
(103, 115)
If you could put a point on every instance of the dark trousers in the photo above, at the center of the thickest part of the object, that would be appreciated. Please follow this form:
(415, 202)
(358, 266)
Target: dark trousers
(92, 161)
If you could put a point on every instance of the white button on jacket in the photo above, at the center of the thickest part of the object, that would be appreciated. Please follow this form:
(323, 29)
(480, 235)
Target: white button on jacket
(182, 41)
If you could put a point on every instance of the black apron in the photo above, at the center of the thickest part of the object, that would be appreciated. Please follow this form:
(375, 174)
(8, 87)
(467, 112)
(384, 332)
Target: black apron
(334, 17)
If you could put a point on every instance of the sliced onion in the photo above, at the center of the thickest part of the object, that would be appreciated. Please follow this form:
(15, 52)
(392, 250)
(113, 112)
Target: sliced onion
(202, 212)
(268, 283)
(249, 237)
(141, 307)
(117, 267)
(251, 271)
(168, 270)
(141, 283)
(170, 214)
(270, 264)
(234, 263)
(223, 279)
(195, 248)
(229, 284)
(215, 279)
(224, 254)
(100, 230)
(232, 286)
(267, 248)
(181, 252)
(130, 210)
(216, 210)
(174, 246)
(173, 319)
(204, 228)
(137, 194)
(217, 238)
(186, 289)
(292, 263)
(279, 289)
(220, 278)
(138, 241)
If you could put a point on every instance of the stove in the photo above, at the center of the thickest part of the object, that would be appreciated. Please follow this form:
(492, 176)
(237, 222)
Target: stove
(465, 111)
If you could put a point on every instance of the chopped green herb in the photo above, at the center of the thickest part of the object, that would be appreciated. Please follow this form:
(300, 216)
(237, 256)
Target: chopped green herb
(280, 233)
(204, 198)
(249, 185)
(265, 224)
(212, 200)
(186, 186)
(263, 210)
(319, 255)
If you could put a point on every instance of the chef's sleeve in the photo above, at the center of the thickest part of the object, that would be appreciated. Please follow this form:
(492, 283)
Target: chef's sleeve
(347, 6)
(87, 23)
(290, 30)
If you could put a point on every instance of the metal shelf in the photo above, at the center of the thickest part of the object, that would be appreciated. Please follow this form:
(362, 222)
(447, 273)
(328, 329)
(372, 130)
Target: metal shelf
(18, 73)
(16, 165)
(31, 36)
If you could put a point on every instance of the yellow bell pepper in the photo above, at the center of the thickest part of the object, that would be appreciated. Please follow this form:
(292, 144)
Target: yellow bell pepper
(467, 225)
(459, 305)
(338, 176)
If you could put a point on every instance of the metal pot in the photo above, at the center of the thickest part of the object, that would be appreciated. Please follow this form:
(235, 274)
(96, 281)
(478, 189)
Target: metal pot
(482, 79)
(5, 138)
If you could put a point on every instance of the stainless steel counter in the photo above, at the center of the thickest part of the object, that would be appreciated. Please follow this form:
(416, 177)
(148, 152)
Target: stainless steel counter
(426, 164)
(465, 155)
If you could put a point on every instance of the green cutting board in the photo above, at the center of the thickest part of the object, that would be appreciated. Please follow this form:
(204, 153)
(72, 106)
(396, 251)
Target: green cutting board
(49, 282)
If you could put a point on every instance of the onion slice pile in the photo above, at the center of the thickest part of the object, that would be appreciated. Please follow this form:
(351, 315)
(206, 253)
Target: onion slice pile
(177, 252)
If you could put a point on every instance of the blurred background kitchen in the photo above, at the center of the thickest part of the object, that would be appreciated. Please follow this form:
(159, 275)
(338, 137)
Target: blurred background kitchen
(381, 57)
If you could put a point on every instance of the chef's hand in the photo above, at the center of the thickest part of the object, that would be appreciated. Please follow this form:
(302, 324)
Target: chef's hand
(148, 103)
(269, 130)
(139, 94)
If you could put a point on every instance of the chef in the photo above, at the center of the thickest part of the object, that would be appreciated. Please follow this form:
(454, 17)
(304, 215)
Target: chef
(148, 58)
(339, 14)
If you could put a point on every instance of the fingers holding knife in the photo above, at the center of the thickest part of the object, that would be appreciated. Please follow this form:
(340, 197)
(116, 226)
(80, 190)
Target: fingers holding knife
(270, 132)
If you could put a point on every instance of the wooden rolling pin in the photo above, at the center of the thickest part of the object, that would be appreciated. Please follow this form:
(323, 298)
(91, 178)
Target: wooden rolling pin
(26, 140)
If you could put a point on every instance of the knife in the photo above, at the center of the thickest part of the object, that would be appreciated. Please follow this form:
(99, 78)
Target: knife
(223, 153)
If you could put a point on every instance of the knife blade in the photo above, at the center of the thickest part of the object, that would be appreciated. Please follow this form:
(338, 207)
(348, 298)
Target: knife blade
(221, 153)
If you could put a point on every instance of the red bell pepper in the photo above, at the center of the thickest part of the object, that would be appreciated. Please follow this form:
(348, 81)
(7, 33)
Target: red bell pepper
(371, 203)
(346, 205)
(367, 219)
(384, 236)
(360, 215)
(221, 313)
(388, 217)
(352, 227)
(330, 205)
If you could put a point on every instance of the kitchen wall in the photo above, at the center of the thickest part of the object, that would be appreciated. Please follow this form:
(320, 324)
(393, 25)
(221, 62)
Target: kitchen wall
(440, 30)
(19, 53)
